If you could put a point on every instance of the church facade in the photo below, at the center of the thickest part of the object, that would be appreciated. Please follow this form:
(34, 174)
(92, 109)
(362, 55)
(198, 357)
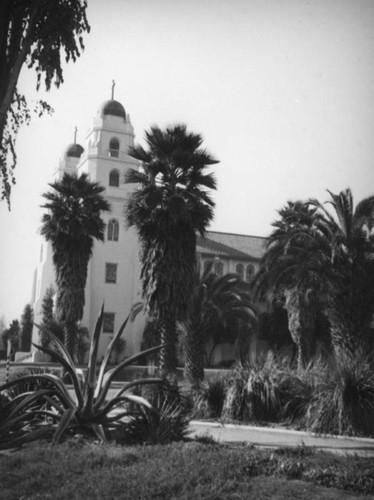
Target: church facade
(114, 268)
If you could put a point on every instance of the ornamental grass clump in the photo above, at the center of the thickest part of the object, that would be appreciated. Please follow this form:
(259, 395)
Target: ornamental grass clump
(253, 393)
(298, 389)
(344, 402)
(41, 405)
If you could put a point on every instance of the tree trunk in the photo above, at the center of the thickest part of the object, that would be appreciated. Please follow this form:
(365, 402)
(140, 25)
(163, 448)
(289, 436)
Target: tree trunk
(194, 350)
(168, 355)
(344, 331)
(70, 337)
(301, 323)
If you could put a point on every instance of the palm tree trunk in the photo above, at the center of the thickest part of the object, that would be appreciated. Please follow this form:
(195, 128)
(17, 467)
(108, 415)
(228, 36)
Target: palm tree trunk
(70, 337)
(194, 350)
(168, 355)
(344, 332)
(301, 323)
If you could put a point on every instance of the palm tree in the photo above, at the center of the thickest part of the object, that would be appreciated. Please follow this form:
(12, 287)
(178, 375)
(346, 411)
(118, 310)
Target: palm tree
(171, 204)
(72, 224)
(349, 233)
(291, 270)
(220, 308)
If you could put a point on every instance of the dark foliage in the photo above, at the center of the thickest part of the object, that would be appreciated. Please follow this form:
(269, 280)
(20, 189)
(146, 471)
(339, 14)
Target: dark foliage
(171, 204)
(36, 34)
(72, 223)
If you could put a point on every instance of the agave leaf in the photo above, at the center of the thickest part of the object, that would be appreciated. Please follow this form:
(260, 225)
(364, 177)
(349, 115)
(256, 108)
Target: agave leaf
(26, 438)
(91, 368)
(99, 431)
(108, 407)
(64, 423)
(70, 368)
(26, 402)
(111, 373)
(136, 308)
(107, 355)
(60, 345)
(59, 385)
(132, 398)
(118, 416)
(22, 412)
(55, 405)
(47, 413)
(135, 383)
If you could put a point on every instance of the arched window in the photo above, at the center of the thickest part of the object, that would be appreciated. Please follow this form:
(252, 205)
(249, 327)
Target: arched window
(207, 265)
(249, 272)
(218, 268)
(114, 147)
(240, 270)
(113, 230)
(114, 178)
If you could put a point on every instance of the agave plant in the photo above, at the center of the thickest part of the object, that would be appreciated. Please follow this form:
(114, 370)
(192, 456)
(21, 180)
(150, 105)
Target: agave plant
(45, 406)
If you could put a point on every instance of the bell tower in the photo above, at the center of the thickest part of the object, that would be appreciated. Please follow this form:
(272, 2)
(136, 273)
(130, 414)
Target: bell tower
(114, 266)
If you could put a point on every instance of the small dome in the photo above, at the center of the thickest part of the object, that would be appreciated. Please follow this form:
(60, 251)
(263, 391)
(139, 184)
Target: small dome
(113, 108)
(74, 150)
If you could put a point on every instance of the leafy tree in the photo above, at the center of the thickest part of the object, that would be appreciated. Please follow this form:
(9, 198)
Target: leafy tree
(72, 224)
(35, 32)
(47, 306)
(220, 307)
(171, 204)
(291, 273)
(27, 323)
(13, 334)
(50, 322)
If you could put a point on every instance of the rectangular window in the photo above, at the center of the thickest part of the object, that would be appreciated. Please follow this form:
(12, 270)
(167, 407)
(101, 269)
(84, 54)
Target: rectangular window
(111, 273)
(108, 323)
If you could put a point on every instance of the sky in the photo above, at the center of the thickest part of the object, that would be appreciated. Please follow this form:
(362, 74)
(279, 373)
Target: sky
(282, 92)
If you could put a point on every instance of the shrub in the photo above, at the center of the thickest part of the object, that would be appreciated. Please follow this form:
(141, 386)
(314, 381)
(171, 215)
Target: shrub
(344, 403)
(253, 393)
(297, 390)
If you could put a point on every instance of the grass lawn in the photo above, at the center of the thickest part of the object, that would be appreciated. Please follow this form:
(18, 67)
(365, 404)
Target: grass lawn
(191, 470)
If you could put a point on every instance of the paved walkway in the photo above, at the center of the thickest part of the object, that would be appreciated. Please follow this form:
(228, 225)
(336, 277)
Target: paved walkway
(266, 437)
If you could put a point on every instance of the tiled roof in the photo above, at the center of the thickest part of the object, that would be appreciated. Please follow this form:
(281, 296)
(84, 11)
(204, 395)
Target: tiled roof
(236, 246)
(208, 246)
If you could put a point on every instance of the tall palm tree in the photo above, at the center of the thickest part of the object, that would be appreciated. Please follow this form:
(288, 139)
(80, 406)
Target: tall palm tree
(171, 204)
(291, 270)
(317, 258)
(72, 224)
(218, 304)
(349, 231)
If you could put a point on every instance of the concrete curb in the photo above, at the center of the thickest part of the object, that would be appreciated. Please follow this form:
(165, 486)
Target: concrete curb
(283, 431)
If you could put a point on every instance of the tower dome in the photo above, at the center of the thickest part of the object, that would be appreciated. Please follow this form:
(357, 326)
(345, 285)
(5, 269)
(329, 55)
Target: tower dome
(112, 108)
(74, 150)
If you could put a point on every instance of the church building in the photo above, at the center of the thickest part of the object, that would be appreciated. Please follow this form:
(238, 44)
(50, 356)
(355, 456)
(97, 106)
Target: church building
(114, 268)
